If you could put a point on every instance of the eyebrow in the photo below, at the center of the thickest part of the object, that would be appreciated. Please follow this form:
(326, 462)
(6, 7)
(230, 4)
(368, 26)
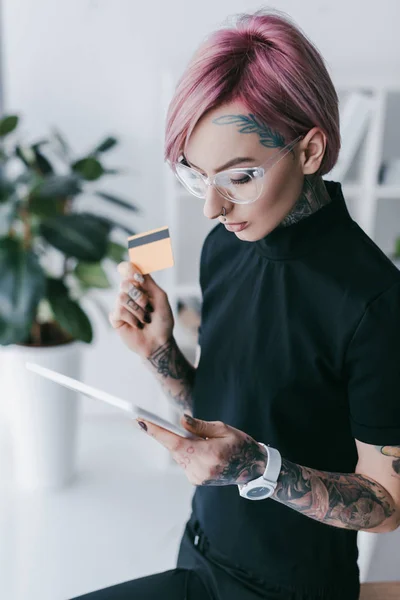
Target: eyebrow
(230, 163)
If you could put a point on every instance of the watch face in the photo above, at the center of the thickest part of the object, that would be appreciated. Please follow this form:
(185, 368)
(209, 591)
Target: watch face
(257, 492)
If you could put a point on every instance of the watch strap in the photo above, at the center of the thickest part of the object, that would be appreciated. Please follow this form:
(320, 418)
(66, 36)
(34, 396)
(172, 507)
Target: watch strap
(274, 464)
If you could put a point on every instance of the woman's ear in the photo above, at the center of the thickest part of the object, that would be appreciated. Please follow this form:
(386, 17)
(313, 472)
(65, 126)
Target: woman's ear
(313, 150)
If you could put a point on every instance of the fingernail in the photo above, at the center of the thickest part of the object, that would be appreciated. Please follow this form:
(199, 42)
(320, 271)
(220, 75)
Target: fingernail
(143, 425)
(138, 277)
(147, 318)
(189, 419)
(140, 325)
(149, 308)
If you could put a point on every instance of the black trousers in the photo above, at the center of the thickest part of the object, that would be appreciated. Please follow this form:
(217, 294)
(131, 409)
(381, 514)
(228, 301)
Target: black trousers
(201, 573)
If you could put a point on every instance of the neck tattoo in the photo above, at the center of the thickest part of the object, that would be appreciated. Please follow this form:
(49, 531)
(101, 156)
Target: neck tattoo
(314, 196)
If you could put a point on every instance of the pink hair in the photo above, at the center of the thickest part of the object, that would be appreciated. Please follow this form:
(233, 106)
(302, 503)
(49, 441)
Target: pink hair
(270, 66)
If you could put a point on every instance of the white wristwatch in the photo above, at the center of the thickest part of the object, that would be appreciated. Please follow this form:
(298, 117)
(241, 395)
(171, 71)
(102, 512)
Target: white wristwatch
(264, 486)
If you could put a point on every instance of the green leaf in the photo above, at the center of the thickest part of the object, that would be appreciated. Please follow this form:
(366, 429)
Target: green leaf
(105, 145)
(26, 154)
(67, 312)
(42, 162)
(45, 207)
(89, 168)
(113, 223)
(118, 201)
(7, 215)
(8, 124)
(116, 252)
(22, 286)
(8, 206)
(58, 186)
(6, 189)
(91, 275)
(81, 235)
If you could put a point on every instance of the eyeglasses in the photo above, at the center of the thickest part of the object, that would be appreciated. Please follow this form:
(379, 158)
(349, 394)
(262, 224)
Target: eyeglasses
(240, 185)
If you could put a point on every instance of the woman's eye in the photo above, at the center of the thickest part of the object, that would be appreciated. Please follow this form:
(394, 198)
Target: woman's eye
(242, 180)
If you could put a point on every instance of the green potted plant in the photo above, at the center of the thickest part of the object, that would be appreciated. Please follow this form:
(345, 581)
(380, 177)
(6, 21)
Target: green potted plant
(52, 256)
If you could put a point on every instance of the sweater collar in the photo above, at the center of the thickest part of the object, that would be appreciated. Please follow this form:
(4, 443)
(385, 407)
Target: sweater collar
(297, 239)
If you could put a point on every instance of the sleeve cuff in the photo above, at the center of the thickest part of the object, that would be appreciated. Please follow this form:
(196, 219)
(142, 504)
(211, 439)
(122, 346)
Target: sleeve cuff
(378, 436)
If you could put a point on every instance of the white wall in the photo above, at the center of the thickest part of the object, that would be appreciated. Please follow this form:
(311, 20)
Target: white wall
(92, 67)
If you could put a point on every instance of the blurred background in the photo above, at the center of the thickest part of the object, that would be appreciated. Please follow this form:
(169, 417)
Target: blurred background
(84, 88)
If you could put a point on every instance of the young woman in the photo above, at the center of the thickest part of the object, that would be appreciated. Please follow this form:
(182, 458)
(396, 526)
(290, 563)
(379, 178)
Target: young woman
(295, 395)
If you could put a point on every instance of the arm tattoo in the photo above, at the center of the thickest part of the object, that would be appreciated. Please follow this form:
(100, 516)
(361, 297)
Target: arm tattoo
(169, 362)
(183, 398)
(350, 501)
(393, 451)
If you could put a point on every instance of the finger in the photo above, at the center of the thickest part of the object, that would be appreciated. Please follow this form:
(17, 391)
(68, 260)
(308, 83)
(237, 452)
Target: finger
(121, 313)
(128, 269)
(132, 271)
(116, 323)
(134, 308)
(171, 441)
(135, 292)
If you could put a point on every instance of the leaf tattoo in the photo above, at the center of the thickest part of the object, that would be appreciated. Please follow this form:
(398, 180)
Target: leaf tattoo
(249, 124)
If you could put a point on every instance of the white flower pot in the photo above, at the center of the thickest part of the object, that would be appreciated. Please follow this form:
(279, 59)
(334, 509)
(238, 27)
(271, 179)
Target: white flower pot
(43, 415)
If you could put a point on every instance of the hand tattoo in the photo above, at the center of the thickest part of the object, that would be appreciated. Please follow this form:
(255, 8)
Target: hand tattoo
(243, 462)
(133, 304)
(134, 293)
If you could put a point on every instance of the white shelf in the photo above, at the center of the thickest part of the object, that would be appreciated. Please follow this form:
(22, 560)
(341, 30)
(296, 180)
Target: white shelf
(388, 191)
(380, 191)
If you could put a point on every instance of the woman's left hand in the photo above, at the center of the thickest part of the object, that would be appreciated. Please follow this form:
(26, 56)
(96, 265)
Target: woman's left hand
(226, 455)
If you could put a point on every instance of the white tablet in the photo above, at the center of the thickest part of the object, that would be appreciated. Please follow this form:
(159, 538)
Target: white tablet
(133, 410)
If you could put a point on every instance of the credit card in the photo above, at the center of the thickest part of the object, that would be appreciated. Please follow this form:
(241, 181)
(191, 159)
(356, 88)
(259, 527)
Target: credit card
(151, 251)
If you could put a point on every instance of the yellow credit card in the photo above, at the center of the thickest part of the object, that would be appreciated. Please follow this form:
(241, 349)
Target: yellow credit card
(151, 251)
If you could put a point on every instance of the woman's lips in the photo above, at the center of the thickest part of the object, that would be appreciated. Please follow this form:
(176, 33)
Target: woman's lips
(235, 226)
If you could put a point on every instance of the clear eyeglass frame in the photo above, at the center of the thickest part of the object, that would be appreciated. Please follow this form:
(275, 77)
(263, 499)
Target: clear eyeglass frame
(219, 180)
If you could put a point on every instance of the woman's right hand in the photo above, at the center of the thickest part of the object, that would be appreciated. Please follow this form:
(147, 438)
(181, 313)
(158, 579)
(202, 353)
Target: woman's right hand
(140, 299)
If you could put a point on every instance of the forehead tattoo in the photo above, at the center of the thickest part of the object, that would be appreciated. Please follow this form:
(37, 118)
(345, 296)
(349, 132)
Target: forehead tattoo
(249, 124)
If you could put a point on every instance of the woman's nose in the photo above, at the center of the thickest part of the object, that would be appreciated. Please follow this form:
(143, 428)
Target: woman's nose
(213, 203)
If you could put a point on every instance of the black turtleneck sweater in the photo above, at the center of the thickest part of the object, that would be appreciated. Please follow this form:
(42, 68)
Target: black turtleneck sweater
(300, 349)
